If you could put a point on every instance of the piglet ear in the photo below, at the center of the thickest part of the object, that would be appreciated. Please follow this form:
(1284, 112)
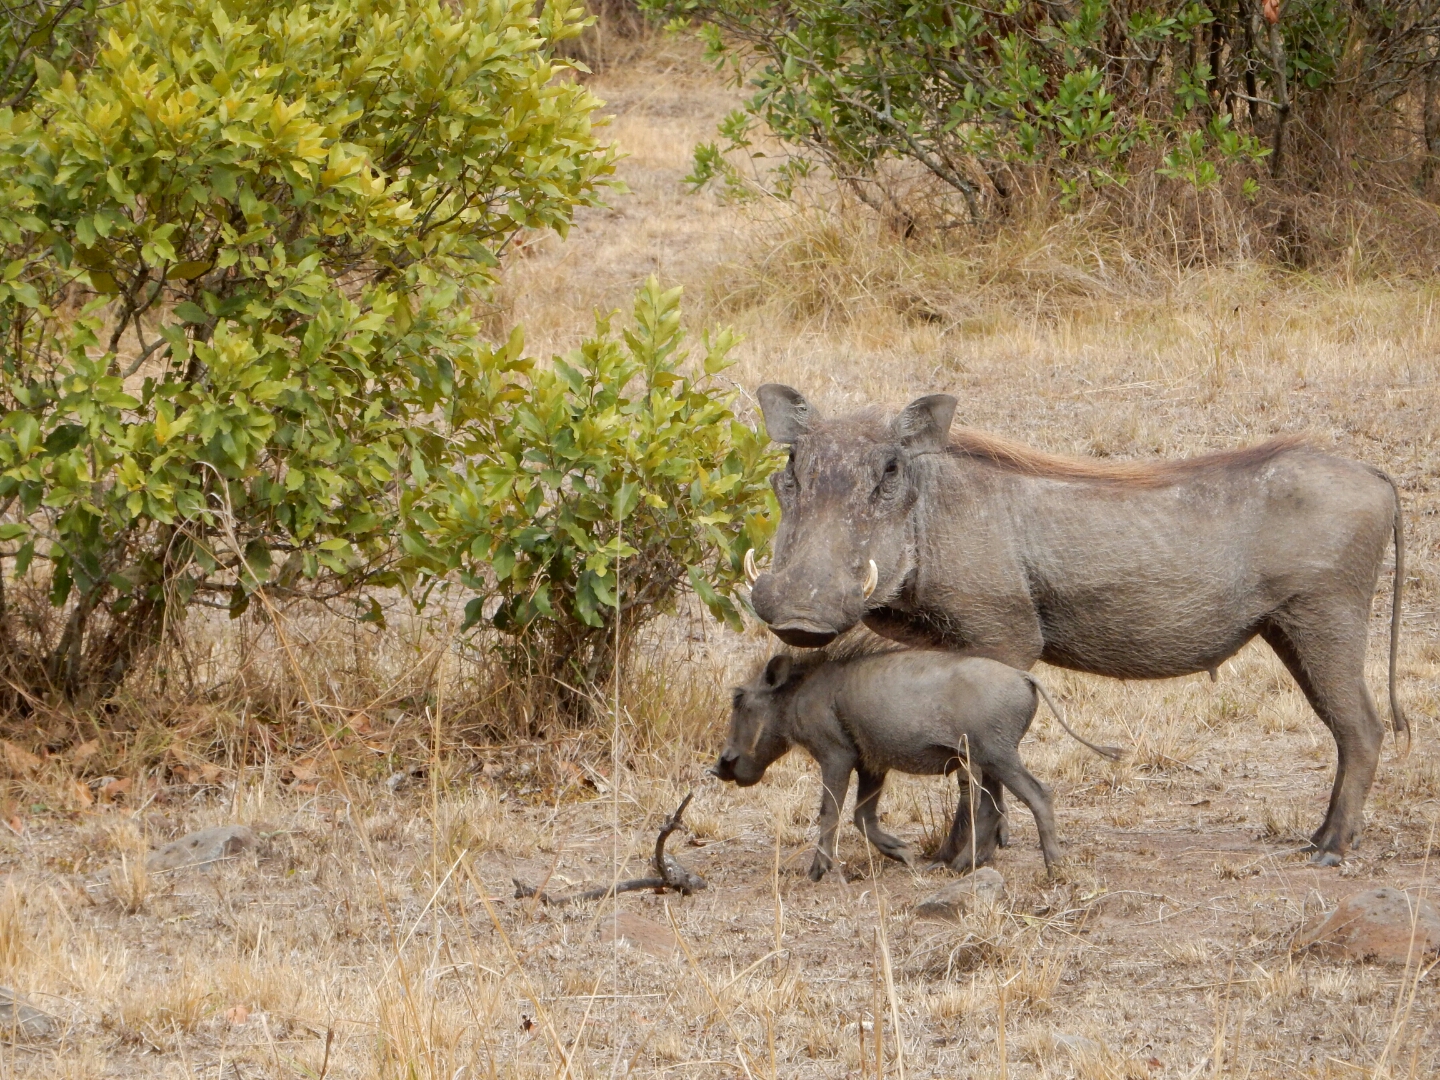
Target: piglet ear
(787, 414)
(777, 671)
(924, 426)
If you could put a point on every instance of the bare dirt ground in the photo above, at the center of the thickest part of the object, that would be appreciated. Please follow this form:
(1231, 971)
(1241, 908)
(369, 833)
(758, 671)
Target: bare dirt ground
(373, 932)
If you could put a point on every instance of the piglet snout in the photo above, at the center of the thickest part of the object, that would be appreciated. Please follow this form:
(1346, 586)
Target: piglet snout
(725, 767)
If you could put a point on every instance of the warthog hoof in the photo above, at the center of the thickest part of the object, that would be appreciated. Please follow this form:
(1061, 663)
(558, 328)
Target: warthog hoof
(819, 865)
(963, 864)
(1326, 858)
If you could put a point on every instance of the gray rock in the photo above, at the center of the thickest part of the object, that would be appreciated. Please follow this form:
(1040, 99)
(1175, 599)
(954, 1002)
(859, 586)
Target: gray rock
(1377, 924)
(205, 846)
(984, 888)
(1076, 1044)
(19, 1017)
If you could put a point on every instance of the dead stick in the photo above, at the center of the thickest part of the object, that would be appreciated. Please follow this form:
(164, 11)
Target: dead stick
(672, 875)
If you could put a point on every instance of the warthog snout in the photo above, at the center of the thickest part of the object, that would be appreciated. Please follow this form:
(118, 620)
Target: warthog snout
(801, 629)
(742, 770)
(804, 634)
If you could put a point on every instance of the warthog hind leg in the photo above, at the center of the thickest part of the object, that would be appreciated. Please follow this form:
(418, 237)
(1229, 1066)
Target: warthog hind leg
(975, 834)
(1326, 655)
(867, 820)
(960, 828)
(1012, 772)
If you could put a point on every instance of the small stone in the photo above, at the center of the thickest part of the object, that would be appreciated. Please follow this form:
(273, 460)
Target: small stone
(984, 888)
(18, 1016)
(1077, 1044)
(203, 847)
(1377, 924)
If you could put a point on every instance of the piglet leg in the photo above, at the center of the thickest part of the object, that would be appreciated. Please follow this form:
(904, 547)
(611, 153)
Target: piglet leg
(975, 846)
(834, 782)
(867, 819)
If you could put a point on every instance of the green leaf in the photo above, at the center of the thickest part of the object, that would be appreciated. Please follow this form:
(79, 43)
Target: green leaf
(26, 430)
(189, 270)
(504, 563)
(374, 614)
(626, 498)
(23, 558)
(257, 563)
(474, 612)
(239, 601)
(191, 313)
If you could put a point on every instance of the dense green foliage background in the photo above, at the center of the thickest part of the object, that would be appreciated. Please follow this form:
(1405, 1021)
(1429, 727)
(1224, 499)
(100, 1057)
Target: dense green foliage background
(990, 97)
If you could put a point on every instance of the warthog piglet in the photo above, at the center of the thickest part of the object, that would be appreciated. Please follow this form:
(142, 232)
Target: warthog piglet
(921, 712)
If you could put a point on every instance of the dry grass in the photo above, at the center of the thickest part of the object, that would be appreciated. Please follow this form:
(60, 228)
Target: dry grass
(372, 935)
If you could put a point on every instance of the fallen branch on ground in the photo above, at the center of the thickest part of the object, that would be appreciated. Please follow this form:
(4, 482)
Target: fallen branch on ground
(669, 873)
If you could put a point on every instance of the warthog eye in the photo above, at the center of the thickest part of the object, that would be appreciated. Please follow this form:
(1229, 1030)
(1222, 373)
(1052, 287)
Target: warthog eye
(737, 698)
(888, 476)
(786, 478)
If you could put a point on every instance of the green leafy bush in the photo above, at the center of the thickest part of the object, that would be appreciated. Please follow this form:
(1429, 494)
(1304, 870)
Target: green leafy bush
(52, 31)
(986, 96)
(597, 486)
(240, 244)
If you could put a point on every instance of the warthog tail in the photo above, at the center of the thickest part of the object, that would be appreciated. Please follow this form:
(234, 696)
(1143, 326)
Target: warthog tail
(1114, 753)
(1397, 714)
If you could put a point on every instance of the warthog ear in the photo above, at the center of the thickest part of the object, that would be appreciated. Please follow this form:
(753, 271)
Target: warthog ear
(787, 414)
(924, 426)
(777, 671)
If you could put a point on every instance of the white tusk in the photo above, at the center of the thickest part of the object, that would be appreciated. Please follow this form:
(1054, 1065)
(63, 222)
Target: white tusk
(871, 580)
(750, 572)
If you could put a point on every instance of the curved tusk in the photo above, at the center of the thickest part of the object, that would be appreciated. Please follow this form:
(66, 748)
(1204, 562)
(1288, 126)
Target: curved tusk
(871, 580)
(750, 572)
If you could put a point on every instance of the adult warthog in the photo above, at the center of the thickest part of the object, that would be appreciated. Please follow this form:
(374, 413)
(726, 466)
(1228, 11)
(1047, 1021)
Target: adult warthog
(961, 540)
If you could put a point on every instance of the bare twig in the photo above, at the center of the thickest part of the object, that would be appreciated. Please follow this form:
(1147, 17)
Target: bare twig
(669, 873)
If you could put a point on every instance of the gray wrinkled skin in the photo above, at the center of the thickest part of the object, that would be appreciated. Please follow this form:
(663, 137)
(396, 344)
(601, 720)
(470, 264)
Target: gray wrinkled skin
(915, 711)
(988, 548)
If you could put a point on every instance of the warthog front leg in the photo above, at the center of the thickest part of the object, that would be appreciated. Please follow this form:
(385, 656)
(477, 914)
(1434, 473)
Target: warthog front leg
(867, 819)
(834, 782)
